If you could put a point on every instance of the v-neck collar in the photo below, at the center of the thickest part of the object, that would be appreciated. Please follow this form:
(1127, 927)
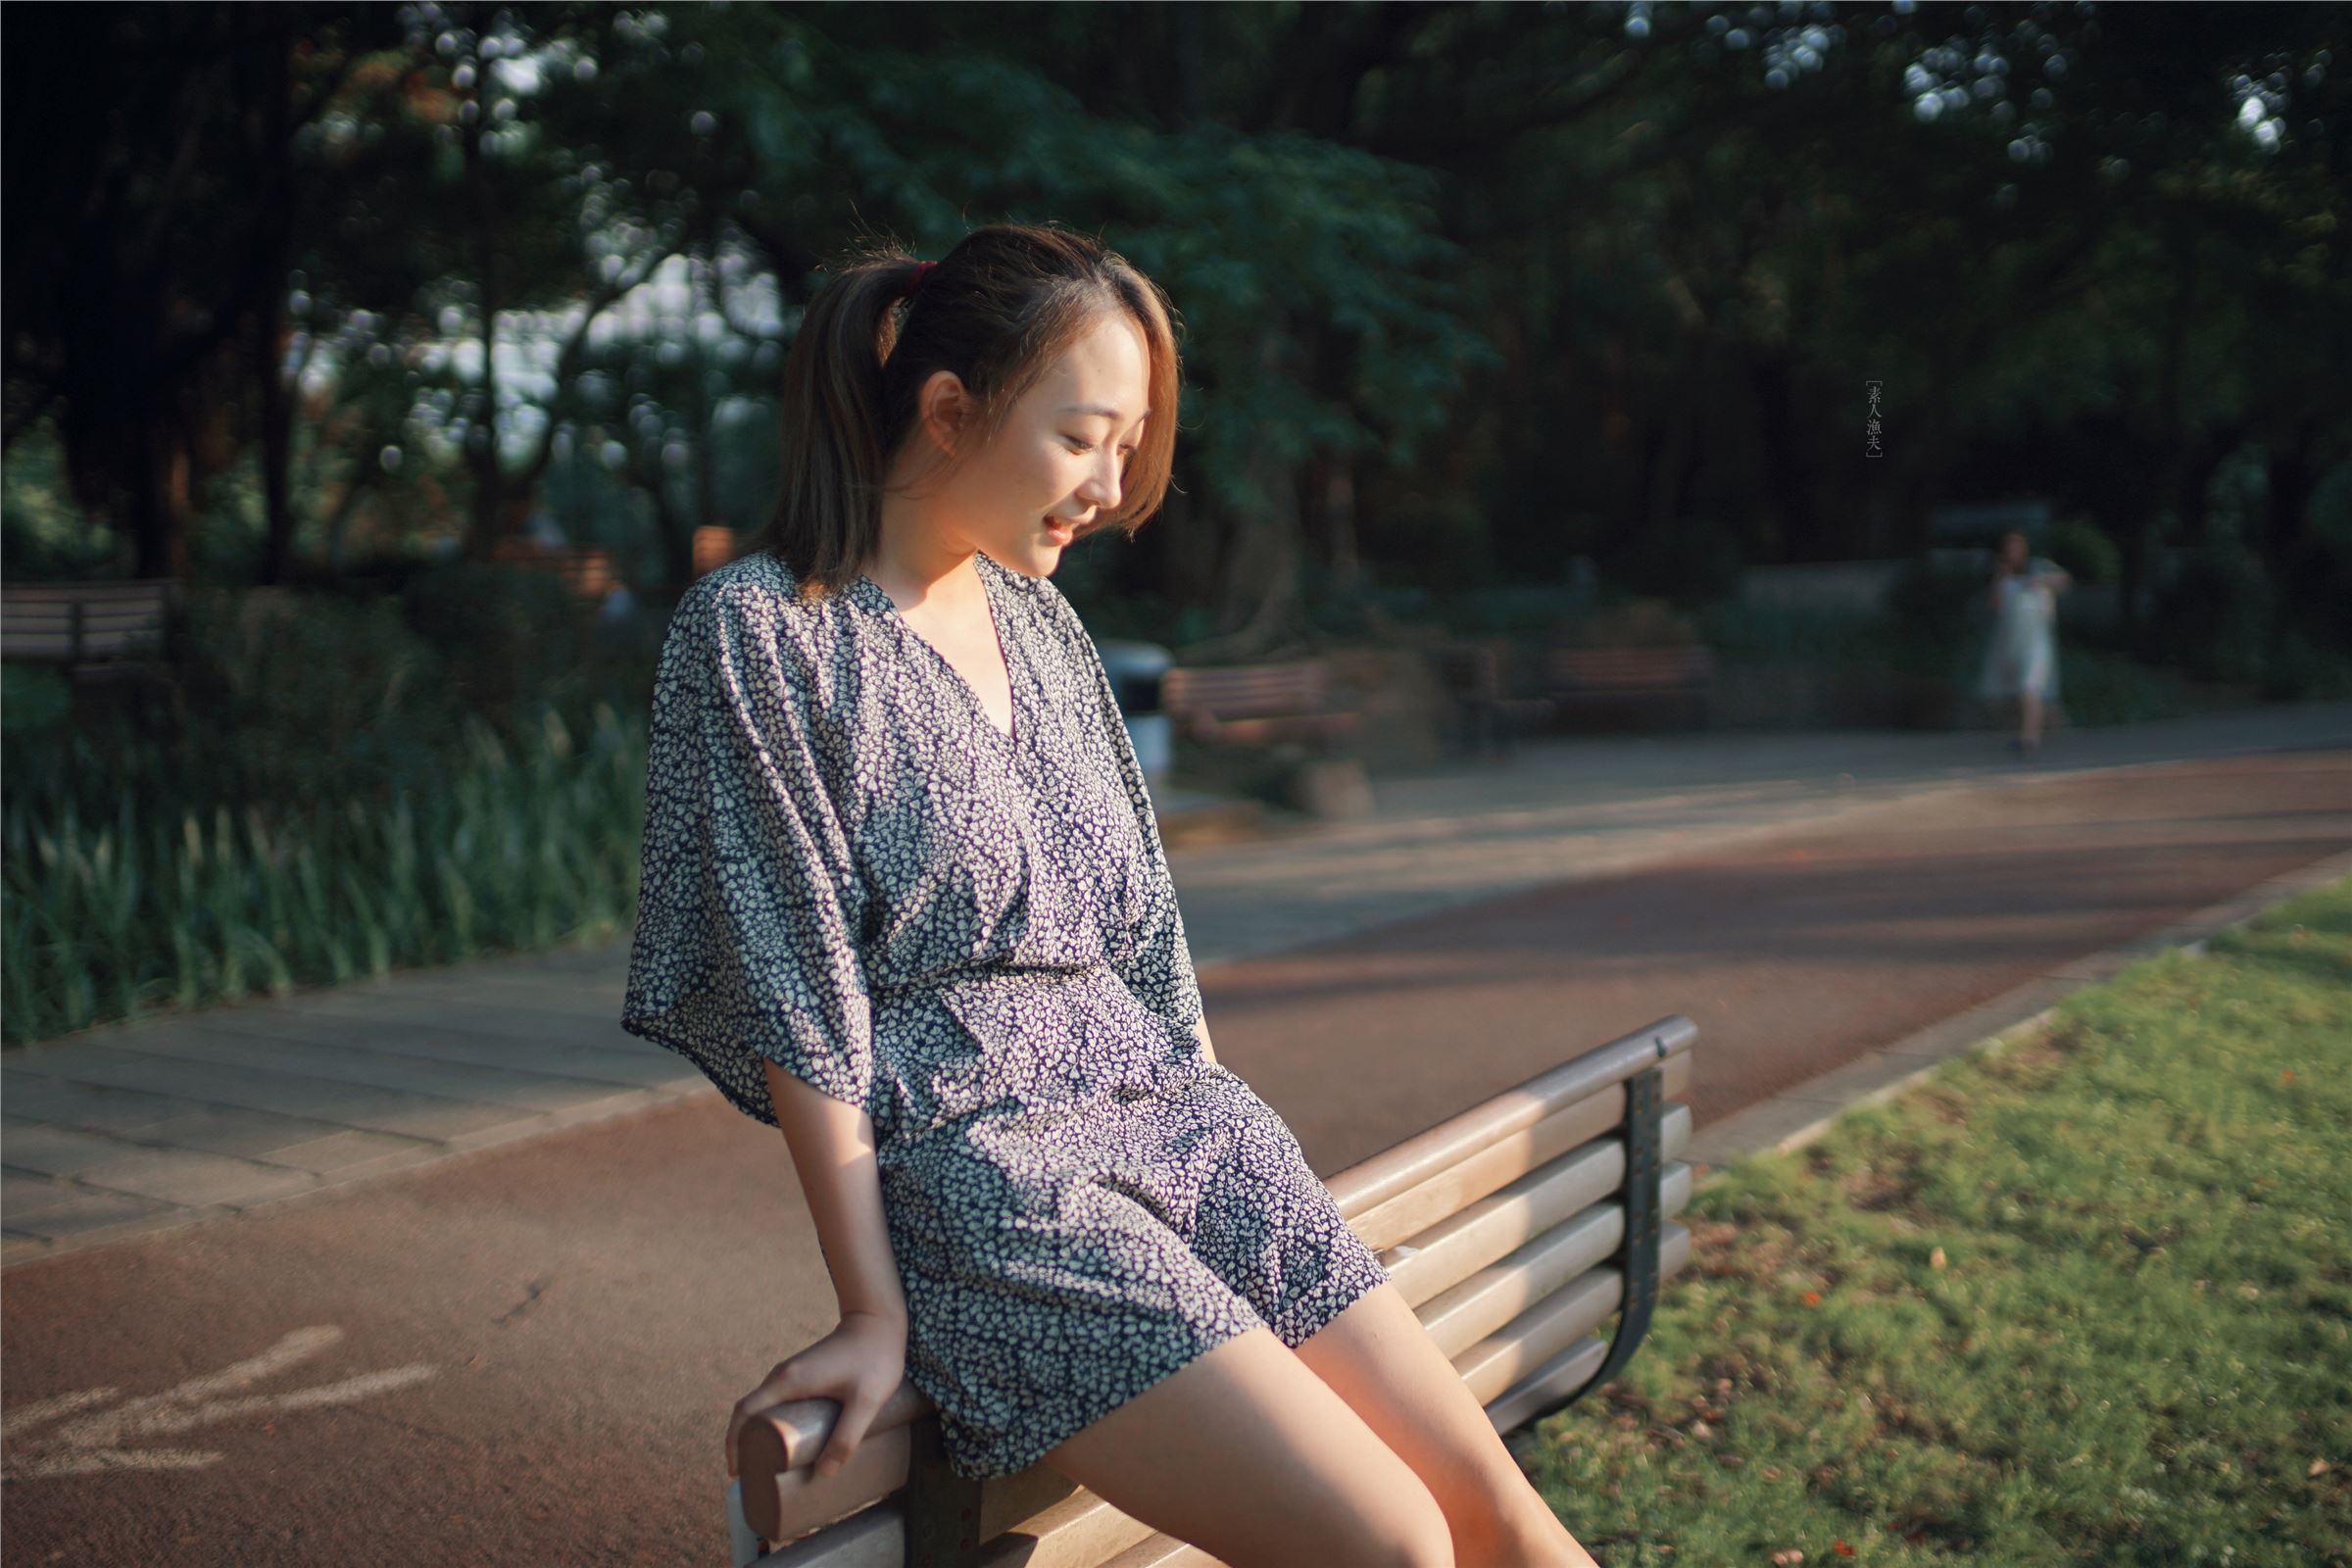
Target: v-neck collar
(871, 594)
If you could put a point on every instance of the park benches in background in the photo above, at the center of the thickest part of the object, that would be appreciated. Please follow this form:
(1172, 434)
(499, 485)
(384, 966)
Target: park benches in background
(1648, 679)
(1488, 719)
(90, 628)
(1250, 704)
(1514, 1229)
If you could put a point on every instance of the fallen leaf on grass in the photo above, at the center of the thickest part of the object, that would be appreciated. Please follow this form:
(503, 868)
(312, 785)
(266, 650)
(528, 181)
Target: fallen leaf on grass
(1935, 1259)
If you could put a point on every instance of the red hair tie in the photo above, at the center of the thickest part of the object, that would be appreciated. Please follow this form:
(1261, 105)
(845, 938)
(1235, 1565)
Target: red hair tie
(922, 269)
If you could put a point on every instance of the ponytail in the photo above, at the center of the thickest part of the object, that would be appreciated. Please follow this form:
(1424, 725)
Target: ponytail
(837, 434)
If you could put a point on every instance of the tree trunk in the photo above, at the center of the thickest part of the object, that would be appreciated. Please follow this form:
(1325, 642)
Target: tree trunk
(272, 151)
(2293, 478)
(487, 512)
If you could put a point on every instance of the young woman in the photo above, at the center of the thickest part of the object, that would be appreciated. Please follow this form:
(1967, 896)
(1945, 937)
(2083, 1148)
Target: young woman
(904, 898)
(2020, 662)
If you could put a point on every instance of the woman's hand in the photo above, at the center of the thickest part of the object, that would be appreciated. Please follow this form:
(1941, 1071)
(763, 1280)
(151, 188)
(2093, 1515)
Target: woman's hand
(860, 1365)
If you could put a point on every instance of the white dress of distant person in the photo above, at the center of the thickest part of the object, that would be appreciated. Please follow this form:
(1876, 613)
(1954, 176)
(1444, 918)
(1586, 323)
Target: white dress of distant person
(2020, 662)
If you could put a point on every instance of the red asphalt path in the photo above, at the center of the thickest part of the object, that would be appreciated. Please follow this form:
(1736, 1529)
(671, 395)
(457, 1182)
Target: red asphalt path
(526, 1354)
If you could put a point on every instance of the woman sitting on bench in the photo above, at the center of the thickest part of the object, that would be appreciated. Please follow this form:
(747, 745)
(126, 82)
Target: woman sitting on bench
(904, 897)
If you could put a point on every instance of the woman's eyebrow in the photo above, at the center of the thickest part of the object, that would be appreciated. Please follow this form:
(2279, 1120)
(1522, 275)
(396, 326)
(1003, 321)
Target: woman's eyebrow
(1112, 414)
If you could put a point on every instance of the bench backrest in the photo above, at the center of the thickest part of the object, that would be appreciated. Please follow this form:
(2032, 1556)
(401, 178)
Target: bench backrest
(1514, 1230)
(1245, 691)
(73, 622)
(1629, 669)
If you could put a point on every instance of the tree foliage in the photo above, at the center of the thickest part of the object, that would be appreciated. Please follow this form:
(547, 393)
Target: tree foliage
(1467, 290)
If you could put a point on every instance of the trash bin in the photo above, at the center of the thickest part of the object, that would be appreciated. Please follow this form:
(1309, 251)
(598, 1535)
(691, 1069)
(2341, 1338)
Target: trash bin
(1135, 670)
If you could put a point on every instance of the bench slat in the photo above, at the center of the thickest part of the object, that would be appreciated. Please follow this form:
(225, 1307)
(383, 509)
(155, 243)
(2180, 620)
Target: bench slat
(874, 1538)
(1555, 1208)
(1080, 1531)
(1453, 1248)
(1452, 1188)
(1496, 1365)
(1573, 1367)
(1259, 731)
(1163, 1551)
(1481, 1307)
(1375, 1180)
(75, 622)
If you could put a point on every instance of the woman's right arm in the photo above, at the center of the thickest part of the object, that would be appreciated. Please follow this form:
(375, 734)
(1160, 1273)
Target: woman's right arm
(832, 1143)
(862, 1363)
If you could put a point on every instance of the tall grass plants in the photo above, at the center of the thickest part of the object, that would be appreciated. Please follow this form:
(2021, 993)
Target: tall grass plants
(324, 787)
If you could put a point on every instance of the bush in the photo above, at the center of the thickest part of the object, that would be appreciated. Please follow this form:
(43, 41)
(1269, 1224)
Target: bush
(1634, 623)
(34, 701)
(2087, 554)
(2298, 669)
(2316, 583)
(287, 696)
(1931, 613)
(1690, 562)
(1770, 634)
(2098, 688)
(2214, 618)
(505, 634)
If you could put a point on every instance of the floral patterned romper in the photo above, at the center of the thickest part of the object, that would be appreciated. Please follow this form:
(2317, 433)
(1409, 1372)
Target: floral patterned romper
(850, 870)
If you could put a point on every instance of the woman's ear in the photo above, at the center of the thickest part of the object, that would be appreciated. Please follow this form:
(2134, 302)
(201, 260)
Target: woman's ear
(944, 409)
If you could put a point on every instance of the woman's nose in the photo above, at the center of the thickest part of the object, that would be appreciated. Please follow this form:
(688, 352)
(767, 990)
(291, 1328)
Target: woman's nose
(1101, 486)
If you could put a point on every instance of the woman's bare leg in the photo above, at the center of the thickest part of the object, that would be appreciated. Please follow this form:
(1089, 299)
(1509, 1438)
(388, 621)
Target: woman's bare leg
(2031, 731)
(1378, 1357)
(1251, 1456)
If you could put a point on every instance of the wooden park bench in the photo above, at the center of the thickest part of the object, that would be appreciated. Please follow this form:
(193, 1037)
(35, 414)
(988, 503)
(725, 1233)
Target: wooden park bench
(1640, 675)
(1489, 718)
(90, 628)
(1514, 1229)
(1250, 704)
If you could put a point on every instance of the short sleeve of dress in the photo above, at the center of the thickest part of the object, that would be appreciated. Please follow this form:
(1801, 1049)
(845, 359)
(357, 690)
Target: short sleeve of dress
(746, 938)
(1159, 967)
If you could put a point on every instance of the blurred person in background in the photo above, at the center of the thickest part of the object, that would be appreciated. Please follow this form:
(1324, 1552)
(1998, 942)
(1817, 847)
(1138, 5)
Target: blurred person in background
(2022, 660)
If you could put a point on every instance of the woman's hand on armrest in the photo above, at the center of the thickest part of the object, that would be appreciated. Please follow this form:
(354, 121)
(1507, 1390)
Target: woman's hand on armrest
(859, 1366)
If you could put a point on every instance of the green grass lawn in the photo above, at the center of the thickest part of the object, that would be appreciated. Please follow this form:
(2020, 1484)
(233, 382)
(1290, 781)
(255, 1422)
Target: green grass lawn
(2086, 1300)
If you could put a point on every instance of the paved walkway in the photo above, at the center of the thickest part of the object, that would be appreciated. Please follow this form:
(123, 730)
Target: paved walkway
(166, 1122)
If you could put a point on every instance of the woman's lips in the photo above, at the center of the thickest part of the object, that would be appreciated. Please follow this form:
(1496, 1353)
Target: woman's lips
(1063, 530)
